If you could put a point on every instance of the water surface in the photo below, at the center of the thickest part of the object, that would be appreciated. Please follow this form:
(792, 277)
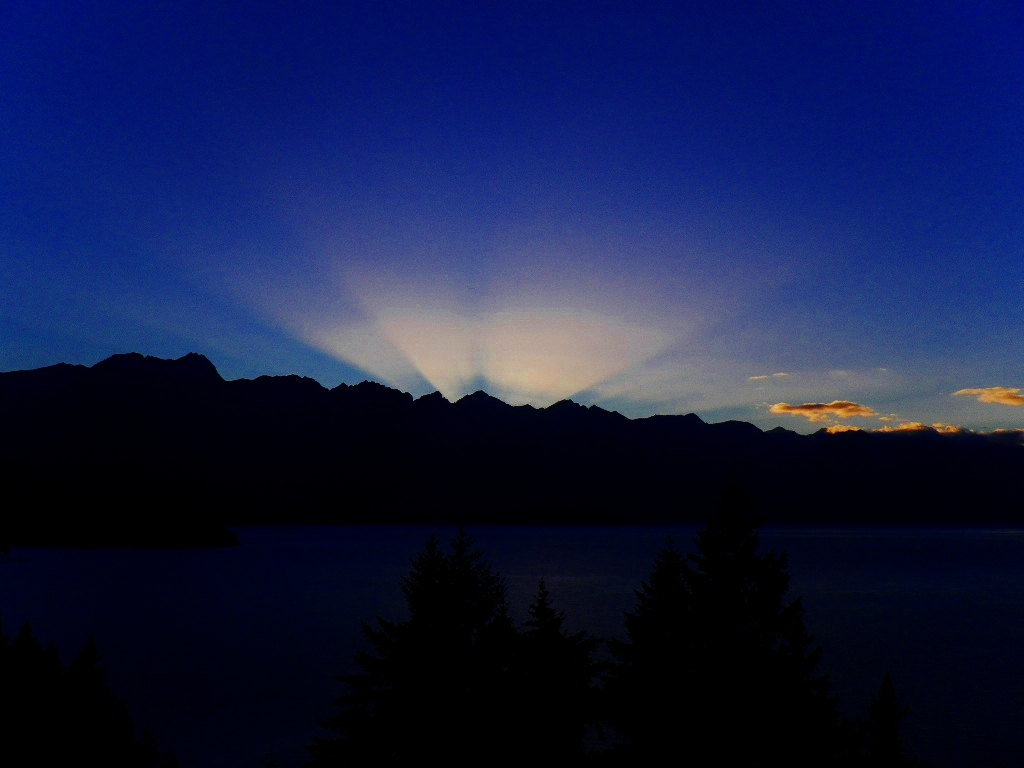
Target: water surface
(230, 652)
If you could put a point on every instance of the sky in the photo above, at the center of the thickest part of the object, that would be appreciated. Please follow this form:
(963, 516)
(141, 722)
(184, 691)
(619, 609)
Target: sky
(807, 214)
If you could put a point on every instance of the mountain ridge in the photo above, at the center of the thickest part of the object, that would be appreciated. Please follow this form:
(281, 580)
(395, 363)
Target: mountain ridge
(173, 443)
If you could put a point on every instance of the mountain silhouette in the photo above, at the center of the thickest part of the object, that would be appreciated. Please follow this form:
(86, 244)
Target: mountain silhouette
(147, 451)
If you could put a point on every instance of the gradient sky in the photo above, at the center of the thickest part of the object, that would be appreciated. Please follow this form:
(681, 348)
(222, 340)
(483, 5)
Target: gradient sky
(658, 208)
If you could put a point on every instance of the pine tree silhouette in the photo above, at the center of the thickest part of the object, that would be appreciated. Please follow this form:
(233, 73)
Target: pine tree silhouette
(645, 694)
(883, 746)
(759, 662)
(52, 715)
(32, 701)
(151, 754)
(717, 663)
(98, 722)
(434, 687)
(552, 677)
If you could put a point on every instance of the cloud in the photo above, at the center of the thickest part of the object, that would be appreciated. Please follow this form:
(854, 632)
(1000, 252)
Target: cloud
(916, 426)
(997, 395)
(907, 426)
(824, 412)
(767, 376)
(940, 428)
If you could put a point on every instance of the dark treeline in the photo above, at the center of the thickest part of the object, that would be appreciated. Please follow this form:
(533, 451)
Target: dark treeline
(716, 669)
(57, 715)
(149, 452)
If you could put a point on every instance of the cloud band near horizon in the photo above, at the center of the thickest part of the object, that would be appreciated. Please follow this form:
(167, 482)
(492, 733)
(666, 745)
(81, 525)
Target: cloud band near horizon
(996, 395)
(824, 412)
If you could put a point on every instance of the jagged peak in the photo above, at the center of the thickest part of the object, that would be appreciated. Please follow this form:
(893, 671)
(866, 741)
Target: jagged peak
(734, 428)
(579, 414)
(198, 363)
(371, 392)
(432, 398)
(565, 405)
(192, 363)
(480, 397)
(124, 360)
(690, 419)
(288, 379)
(367, 384)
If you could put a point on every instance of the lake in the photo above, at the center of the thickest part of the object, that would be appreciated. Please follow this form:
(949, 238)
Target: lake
(228, 653)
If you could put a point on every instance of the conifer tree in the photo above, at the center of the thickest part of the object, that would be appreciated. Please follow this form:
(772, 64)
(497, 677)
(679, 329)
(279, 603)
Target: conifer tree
(52, 715)
(435, 685)
(31, 718)
(717, 660)
(98, 723)
(552, 678)
(756, 663)
(883, 747)
(645, 693)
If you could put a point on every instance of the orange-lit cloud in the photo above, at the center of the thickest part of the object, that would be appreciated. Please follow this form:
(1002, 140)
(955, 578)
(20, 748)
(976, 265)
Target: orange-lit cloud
(997, 395)
(824, 412)
(837, 428)
(917, 426)
(907, 426)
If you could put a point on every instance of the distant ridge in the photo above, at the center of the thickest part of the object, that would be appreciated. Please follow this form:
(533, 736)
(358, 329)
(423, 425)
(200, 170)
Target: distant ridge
(143, 444)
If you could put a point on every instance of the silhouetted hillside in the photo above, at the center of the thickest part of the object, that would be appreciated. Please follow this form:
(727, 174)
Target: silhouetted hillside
(145, 451)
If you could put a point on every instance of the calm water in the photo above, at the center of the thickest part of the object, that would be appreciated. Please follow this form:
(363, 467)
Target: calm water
(228, 653)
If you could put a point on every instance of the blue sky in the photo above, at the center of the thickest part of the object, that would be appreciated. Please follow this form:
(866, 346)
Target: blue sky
(658, 208)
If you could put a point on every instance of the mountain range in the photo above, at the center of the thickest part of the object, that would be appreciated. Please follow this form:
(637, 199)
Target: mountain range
(146, 451)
